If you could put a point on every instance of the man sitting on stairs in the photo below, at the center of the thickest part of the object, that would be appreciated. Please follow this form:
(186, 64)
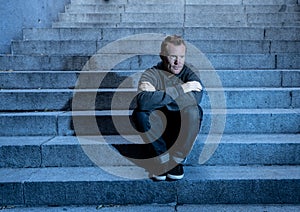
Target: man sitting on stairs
(168, 115)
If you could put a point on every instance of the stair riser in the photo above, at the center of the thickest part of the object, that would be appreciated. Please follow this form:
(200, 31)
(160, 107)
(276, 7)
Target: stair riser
(67, 152)
(62, 100)
(243, 9)
(91, 47)
(77, 25)
(80, 48)
(146, 192)
(94, 8)
(235, 123)
(269, 33)
(51, 34)
(188, 2)
(238, 19)
(101, 2)
(190, 34)
(67, 80)
(238, 23)
(244, 2)
(240, 192)
(187, 18)
(90, 18)
(144, 8)
(218, 61)
(60, 124)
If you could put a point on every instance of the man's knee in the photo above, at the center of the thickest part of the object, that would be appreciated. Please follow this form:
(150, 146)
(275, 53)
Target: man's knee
(141, 120)
(192, 112)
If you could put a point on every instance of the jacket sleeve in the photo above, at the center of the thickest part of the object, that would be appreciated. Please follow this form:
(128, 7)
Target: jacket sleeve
(151, 100)
(190, 98)
(172, 96)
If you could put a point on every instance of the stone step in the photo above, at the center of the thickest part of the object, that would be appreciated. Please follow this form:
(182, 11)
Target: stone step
(237, 121)
(201, 185)
(129, 79)
(76, 25)
(117, 122)
(88, 25)
(93, 8)
(121, 99)
(268, 2)
(90, 18)
(238, 19)
(132, 46)
(246, 9)
(187, 2)
(249, 33)
(283, 19)
(101, 2)
(190, 34)
(232, 150)
(109, 61)
(80, 48)
(237, 207)
(52, 34)
(240, 2)
(190, 8)
(187, 19)
(124, 2)
(27, 62)
(164, 208)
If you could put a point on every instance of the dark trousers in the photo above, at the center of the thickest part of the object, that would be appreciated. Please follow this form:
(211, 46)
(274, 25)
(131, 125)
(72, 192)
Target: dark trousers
(171, 133)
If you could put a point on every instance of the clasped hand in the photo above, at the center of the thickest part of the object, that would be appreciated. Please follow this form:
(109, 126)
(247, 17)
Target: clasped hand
(187, 87)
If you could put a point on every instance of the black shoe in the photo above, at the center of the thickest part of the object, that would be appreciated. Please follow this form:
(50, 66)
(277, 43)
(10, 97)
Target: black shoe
(176, 173)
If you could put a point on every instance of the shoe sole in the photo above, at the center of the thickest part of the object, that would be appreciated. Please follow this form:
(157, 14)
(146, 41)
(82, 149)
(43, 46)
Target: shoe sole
(175, 177)
(159, 178)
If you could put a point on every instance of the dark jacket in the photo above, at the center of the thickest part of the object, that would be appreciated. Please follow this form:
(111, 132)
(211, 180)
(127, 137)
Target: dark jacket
(169, 92)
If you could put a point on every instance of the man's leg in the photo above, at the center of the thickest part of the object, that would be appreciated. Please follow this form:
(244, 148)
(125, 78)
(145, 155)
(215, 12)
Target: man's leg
(151, 125)
(191, 118)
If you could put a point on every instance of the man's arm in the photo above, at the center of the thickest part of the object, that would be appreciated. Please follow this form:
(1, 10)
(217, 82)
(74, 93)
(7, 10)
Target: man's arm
(146, 86)
(191, 86)
(149, 97)
(185, 94)
(192, 89)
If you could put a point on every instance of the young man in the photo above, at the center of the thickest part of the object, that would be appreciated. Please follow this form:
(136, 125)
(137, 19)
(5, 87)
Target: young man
(168, 114)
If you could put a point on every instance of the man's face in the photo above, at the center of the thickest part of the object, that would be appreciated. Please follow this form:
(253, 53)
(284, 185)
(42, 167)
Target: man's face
(174, 60)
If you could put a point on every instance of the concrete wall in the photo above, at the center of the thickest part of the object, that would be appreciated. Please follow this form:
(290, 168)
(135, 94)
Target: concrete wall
(18, 14)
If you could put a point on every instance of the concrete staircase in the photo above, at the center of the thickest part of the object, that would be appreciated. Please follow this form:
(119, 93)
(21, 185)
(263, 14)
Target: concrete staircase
(254, 47)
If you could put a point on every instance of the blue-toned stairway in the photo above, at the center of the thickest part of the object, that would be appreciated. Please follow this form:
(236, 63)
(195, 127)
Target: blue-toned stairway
(254, 47)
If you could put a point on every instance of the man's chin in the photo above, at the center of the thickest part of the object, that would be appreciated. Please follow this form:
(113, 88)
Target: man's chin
(176, 71)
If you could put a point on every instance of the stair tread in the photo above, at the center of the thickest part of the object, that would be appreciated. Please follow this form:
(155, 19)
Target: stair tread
(201, 185)
(126, 112)
(133, 89)
(72, 151)
(135, 139)
(90, 174)
(129, 71)
(165, 208)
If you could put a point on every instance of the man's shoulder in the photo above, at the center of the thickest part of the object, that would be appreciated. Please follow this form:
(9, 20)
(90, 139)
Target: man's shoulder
(189, 67)
(189, 73)
(155, 70)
